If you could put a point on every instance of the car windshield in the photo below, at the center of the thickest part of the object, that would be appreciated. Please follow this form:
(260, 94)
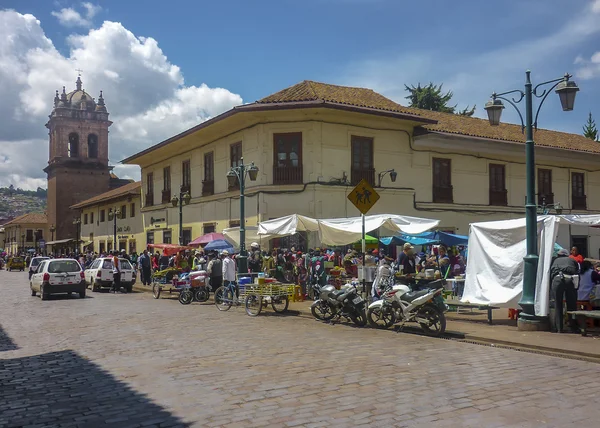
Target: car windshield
(36, 261)
(63, 266)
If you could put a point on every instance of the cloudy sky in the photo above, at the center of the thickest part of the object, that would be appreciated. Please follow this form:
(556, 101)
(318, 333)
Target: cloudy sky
(165, 66)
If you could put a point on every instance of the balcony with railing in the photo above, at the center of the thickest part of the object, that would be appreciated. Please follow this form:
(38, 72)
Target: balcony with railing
(579, 202)
(166, 196)
(208, 187)
(499, 198)
(287, 175)
(443, 195)
(359, 174)
(149, 199)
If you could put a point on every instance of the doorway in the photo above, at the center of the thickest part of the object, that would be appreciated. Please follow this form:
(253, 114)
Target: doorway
(581, 242)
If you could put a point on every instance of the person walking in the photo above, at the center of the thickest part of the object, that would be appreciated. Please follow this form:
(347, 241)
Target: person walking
(145, 266)
(229, 272)
(215, 271)
(563, 270)
(116, 272)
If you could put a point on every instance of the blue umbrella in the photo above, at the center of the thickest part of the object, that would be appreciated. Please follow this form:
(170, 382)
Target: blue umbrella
(219, 244)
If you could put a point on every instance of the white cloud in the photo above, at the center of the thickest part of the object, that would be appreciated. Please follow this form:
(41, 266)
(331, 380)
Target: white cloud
(145, 94)
(91, 9)
(69, 17)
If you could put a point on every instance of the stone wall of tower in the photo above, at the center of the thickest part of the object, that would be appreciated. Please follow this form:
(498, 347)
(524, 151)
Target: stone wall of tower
(61, 128)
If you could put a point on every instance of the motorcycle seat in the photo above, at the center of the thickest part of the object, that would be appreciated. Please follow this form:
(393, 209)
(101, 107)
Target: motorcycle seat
(412, 295)
(337, 293)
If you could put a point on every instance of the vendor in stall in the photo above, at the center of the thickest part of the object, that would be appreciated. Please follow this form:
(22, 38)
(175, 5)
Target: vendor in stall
(406, 259)
(562, 271)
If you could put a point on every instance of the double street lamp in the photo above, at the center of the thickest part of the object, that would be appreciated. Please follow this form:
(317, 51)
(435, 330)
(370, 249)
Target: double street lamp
(235, 175)
(113, 213)
(566, 89)
(77, 223)
(183, 199)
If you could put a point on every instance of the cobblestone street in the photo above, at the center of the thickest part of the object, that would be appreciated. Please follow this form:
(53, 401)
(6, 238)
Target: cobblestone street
(129, 360)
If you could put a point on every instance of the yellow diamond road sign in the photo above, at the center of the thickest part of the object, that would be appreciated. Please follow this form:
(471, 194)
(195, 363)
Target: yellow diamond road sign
(363, 196)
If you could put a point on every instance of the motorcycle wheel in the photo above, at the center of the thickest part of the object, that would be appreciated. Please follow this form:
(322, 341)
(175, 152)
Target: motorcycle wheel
(436, 320)
(186, 297)
(222, 303)
(280, 303)
(380, 317)
(253, 304)
(359, 319)
(202, 295)
(156, 289)
(321, 311)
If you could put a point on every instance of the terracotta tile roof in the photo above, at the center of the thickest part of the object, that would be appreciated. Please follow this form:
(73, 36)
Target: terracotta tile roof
(128, 189)
(31, 218)
(308, 90)
(475, 127)
(446, 122)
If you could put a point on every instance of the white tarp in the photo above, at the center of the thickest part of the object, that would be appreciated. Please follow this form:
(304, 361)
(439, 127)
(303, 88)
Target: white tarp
(344, 231)
(495, 261)
(233, 235)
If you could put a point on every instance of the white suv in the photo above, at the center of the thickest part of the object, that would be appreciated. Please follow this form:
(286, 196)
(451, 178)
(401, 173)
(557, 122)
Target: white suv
(100, 274)
(58, 276)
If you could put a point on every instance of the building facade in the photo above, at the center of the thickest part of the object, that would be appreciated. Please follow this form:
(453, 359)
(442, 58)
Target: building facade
(313, 142)
(98, 225)
(26, 232)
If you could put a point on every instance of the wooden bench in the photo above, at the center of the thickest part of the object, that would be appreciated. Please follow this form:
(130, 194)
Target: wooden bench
(582, 317)
(460, 304)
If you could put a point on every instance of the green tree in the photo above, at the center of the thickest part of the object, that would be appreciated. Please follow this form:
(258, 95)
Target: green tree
(589, 129)
(432, 97)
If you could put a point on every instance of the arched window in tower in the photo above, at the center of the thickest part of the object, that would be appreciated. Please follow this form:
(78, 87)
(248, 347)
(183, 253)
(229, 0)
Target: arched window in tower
(92, 146)
(73, 145)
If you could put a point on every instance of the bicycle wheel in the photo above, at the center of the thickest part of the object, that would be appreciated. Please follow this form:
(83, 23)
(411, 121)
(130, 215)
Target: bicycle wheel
(222, 300)
(201, 294)
(186, 297)
(280, 303)
(156, 289)
(253, 304)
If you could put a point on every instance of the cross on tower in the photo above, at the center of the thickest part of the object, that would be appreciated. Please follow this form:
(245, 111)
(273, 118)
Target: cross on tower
(79, 71)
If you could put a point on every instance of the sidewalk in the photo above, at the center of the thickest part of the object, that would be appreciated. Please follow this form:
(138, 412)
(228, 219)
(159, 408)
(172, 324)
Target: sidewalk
(472, 326)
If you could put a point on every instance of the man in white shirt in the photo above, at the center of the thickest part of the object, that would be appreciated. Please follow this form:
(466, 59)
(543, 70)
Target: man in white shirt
(229, 271)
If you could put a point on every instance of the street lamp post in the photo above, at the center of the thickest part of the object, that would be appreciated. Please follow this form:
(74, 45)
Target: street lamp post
(183, 199)
(239, 173)
(23, 242)
(113, 213)
(77, 223)
(566, 89)
(52, 229)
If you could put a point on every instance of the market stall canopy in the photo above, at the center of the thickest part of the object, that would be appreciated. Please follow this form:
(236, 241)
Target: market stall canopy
(232, 235)
(368, 240)
(219, 244)
(494, 273)
(427, 238)
(206, 238)
(345, 230)
(61, 241)
(402, 239)
(169, 249)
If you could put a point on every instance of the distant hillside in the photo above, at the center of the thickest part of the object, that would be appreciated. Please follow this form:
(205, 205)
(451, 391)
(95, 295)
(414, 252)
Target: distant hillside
(15, 202)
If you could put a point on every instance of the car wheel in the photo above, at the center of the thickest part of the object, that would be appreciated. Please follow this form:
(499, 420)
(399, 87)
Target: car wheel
(82, 294)
(94, 286)
(42, 293)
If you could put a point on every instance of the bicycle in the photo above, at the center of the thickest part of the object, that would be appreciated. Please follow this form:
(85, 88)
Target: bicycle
(225, 297)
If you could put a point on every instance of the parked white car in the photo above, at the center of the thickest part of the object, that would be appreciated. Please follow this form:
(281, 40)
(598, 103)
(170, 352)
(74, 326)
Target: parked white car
(100, 274)
(58, 276)
(35, 263)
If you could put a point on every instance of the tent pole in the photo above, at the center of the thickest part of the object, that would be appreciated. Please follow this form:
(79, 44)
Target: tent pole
(364, 252)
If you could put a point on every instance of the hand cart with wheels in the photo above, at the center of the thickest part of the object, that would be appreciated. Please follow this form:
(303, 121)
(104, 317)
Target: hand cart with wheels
(255, 296)
(168, 280)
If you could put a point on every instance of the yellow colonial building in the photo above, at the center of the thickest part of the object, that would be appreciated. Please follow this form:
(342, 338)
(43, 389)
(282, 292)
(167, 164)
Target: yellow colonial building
(99, 224)
(313, 142)
(28, 231)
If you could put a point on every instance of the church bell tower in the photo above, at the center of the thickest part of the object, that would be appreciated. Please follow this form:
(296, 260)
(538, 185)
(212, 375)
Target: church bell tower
(78, 160)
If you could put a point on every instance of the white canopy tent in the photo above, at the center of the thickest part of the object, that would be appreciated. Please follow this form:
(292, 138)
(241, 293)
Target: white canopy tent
(495, 259)
(343, 231)
(232, 234)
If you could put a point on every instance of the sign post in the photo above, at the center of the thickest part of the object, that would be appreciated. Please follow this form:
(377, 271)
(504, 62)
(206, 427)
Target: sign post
(363, 196)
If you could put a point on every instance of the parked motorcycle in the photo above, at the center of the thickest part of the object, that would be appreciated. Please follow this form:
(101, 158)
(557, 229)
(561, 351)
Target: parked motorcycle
(400, 305)
(334, 304)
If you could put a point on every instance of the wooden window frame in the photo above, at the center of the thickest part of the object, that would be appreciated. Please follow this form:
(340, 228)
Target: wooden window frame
(209, 228)
(85, 218)
(132, 210)
(544, 195)
(442, 186)
(362, 170)
(208, 184)
(102, 216)
(92, 217)
(123, 211)
(186, 176)
(149, 199)
(166, 192)
(235, 159)
(578, 196)
(497, 191)
(287, 173)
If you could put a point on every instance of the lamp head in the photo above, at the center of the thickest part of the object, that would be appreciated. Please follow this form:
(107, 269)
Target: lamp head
(559, 209)
(494, 109)
(231, 178)
(393, 175)
(566, 90)
(252, 172)
(186, 198)
(175, 201)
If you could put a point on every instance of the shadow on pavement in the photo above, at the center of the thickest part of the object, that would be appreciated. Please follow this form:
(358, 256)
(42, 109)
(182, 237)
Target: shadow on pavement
(63, 389)
(6, 343)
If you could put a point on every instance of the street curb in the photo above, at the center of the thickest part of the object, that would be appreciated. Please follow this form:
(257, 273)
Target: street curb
(304, 312)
